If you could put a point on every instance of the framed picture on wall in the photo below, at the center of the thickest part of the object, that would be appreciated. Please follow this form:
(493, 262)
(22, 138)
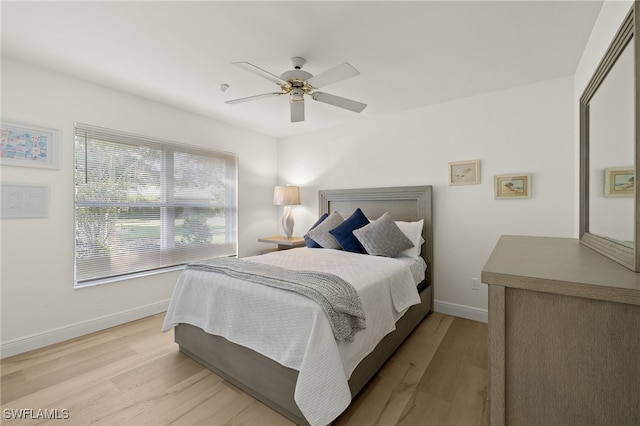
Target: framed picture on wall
(512, 186)
(28, 146)
(619, 182)
(21, 201)
(464, 172)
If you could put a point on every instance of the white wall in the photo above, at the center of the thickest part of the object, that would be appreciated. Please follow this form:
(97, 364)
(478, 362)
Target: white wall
(527, 129)
(609, 20)
(39, 303)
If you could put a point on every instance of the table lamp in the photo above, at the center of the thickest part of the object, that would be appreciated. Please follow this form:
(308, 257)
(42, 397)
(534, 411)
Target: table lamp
(287, 196)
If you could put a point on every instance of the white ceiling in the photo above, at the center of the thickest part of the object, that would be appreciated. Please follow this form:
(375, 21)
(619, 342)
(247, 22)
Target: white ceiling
(410, 54)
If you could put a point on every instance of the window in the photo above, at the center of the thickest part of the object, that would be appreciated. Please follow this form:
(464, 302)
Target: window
(144, 205)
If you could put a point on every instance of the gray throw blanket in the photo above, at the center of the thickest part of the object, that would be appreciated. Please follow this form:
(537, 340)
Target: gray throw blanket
(339, 300)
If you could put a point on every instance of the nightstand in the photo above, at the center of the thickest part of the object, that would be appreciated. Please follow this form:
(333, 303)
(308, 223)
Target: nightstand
(282, 243)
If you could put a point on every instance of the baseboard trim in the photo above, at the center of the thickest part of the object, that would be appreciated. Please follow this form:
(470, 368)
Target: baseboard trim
(60, 334)
(462, 311)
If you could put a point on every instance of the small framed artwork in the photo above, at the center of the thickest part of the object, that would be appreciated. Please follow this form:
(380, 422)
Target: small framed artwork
(20, 201)
(464, 172)
(28, 146)
(512, 186)
(619, 182)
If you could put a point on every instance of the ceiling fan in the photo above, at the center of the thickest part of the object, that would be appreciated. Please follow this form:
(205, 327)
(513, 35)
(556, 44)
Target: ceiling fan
(297, 83)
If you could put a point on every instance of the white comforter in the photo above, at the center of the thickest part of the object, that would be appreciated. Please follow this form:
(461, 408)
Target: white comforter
(292, 329)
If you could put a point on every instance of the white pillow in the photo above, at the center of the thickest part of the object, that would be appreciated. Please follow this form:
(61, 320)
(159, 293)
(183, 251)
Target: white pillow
(413, 231)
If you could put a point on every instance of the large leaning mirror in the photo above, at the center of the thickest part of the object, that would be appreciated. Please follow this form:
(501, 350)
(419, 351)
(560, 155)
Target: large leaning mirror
(609, 150)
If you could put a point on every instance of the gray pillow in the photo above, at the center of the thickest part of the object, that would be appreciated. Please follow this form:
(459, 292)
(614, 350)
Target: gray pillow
(320, 234)
(383, 237)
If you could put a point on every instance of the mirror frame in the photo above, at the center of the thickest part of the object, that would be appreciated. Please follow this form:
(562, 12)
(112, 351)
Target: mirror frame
(627, 256)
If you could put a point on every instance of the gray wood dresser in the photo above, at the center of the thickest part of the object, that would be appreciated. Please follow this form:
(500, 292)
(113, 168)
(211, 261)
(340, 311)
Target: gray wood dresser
(564, 335)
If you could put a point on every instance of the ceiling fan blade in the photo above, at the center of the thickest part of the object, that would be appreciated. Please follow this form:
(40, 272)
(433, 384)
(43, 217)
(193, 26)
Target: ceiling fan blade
(297, 111)
(253, 98)
(338, 101)
(262, 73)
(338, 73)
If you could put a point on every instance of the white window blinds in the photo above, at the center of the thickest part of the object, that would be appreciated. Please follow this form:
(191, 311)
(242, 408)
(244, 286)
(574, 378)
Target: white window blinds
(142, 205)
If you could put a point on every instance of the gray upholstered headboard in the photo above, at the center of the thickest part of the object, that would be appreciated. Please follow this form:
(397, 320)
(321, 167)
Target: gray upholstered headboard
(406, 203)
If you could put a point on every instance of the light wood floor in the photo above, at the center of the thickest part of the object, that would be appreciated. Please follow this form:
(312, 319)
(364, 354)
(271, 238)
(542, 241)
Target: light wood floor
(134, 375)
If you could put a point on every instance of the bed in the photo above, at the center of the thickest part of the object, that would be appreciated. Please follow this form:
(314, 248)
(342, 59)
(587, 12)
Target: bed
(273, 382)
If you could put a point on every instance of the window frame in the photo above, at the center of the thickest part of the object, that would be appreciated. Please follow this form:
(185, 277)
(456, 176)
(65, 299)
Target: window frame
(167, 205)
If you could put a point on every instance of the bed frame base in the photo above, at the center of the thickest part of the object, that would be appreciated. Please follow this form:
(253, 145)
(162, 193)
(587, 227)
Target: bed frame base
(270, 382)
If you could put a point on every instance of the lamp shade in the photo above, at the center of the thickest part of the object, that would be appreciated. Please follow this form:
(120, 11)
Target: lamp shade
(286, 196)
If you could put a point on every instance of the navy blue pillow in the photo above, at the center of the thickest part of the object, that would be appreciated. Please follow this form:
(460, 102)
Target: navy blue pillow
(344, 233)
(308, 241)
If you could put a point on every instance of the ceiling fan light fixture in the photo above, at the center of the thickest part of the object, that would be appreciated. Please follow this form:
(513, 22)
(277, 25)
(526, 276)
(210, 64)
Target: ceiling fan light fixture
(296, 95)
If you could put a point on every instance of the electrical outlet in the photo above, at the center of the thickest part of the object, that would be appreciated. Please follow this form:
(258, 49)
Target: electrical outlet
(475, 283)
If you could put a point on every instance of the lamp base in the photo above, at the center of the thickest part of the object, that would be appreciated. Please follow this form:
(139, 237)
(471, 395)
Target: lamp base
(287, 222)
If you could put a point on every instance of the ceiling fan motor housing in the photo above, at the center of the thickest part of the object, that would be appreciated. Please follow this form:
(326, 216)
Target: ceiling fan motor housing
(296, 77)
